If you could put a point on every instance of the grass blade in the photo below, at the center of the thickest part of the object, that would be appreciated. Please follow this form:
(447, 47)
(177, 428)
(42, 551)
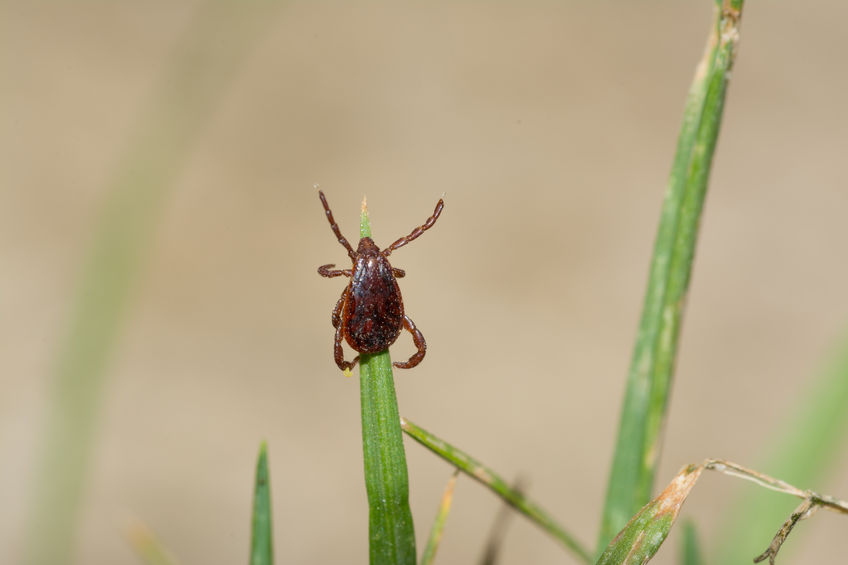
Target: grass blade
(652, 366)
(496, 484)
(392, 537)
(262, 534)
(439, 523)
(646, 531)
(207, 55)
(812, 443)
(640, 539)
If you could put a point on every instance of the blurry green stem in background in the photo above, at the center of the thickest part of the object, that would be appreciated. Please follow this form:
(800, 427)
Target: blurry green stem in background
(690, 550)
(497, 532)
(203, 63)
(391, 532)
(649, 382)
(808, 447)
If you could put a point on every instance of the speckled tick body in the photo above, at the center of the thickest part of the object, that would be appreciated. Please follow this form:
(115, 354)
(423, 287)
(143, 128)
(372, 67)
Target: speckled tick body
(369, 315)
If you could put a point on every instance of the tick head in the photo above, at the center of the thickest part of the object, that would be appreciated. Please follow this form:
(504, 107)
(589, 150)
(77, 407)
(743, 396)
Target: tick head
(367, 247)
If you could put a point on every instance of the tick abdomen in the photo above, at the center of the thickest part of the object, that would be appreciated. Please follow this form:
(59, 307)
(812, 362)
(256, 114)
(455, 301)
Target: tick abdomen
(374, 308)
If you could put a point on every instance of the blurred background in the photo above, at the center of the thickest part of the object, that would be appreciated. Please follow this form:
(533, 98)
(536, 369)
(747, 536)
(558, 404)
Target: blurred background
(160, 235)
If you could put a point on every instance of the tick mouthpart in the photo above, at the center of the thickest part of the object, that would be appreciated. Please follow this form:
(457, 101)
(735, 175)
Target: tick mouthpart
(367, 246)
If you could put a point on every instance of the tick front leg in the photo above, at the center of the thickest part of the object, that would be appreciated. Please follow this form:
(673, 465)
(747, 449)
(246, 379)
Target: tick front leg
(417, 231)
(398, 273)
(329, 272)
(335, 227)
(419, 342)
(338, 353)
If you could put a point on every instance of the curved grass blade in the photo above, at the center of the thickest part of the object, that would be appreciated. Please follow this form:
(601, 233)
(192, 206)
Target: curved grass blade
(203, 64)
(496, 484)
(262, 534)
(652, 366)
(391, 533)
(646, 531)
(439, 523)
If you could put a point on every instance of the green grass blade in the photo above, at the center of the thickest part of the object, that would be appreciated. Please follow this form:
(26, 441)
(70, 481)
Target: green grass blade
(652, 366)
(807, 450)
(392, 537)
(643, 535)
(479, 472)
(690, 553)
(202, 65)
(429, 553)
(262, 534)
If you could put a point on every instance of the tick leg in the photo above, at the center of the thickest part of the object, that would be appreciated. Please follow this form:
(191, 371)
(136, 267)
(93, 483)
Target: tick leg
(338, 353)
(398, 273)
(328, 271)
(336, 317)
(419, 342)
(417, 231)
(335, 227)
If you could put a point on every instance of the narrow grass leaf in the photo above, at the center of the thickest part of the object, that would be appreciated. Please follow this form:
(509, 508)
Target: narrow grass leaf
(807, 448)
(262, 534)
(649, 380)
(202, 65)
(479, 472)
(391, 533)
(643, 535)
(439, 523)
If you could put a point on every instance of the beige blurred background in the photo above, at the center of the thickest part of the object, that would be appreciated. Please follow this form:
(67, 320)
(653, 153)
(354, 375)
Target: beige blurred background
(549, 126)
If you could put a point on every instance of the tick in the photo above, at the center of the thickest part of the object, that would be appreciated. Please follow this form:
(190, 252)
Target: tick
(369, 315)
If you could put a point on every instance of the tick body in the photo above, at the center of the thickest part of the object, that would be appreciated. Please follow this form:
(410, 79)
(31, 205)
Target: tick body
(370, 315)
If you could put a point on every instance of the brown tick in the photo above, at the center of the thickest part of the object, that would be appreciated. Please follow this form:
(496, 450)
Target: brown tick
(369, 315)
